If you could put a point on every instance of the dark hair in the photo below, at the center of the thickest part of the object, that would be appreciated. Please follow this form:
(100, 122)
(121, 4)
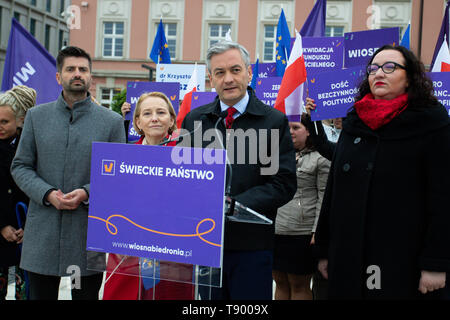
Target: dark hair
(305, 119)
(420, 87)
(72, 52)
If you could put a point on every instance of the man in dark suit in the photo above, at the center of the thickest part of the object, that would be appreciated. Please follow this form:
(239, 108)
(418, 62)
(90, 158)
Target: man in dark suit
(261, 153)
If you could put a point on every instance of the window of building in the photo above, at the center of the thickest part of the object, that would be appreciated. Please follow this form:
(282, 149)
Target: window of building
(61, 6)
(47, 37)
(113, 33)
(171, 37)
(1, 19)
(217, 32)
(107, 95)
(334, 31)
(33, 27)
(17, 16)
(33, 2)
(270, 33)
(60, 39)
(48, 5)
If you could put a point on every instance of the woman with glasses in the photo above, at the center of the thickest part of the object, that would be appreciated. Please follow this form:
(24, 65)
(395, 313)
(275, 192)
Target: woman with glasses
(383, 231)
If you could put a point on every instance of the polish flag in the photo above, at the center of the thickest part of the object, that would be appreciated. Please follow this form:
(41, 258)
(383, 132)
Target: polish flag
(445, 67)
(185, 107)
(442, 59)
(290, 96)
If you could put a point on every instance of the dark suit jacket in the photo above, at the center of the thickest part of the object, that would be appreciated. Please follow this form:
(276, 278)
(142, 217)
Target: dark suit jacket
(10, 195)
(267, 133)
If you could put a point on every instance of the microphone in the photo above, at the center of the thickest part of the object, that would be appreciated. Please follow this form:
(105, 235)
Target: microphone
(222, 116)
(202, 117)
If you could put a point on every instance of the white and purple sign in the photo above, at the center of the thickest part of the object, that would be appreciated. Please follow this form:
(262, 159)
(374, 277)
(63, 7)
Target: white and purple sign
(136, 89)
(267, 89)
(145, 203)
(181, 74)
(334, 92)
(202, 98)
(441, 85)
(361, 45)
(323, 54)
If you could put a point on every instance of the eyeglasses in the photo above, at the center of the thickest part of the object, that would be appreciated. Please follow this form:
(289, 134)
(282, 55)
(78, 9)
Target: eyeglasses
(387, 67)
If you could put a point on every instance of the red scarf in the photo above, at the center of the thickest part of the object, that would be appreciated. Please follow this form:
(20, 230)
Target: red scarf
(168, 137)
(377, 112)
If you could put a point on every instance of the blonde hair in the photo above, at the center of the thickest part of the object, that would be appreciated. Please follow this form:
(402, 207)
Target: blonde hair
(20, 99)
(157, 94)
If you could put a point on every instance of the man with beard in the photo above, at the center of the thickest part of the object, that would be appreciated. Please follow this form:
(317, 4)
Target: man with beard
(52, 166)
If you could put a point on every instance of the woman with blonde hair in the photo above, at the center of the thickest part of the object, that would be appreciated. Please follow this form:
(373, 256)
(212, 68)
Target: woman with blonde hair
(14, 105)
(154, 119)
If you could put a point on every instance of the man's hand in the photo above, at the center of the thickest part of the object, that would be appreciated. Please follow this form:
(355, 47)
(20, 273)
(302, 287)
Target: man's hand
(430, 281)
(69, 201)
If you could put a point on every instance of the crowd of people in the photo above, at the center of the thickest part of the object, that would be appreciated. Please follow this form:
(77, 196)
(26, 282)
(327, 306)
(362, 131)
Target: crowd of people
(358, 204)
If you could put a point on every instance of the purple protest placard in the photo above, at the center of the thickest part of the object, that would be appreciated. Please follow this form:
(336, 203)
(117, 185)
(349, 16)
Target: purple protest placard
(157, 202)
(361, 45)
(266, 89)
(266, 70)
(323, 54)
(136, 89)
(28, 63)
(202, 98)
(441, 85)
(334, 92)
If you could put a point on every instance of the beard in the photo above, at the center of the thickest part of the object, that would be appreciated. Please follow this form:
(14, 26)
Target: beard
(80, 87)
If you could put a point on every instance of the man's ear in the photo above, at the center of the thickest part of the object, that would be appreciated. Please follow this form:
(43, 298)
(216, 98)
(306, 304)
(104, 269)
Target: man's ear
(58, 78)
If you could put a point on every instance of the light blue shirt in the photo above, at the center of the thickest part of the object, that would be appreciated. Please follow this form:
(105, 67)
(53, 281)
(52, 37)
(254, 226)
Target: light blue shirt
(240, 106)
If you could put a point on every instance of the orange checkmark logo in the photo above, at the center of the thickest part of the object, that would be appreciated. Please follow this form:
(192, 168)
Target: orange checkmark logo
(173, 97)
(108, 168)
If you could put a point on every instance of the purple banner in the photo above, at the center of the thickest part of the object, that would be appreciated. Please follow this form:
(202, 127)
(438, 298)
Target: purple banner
(266, 70)
(441, 85)
(267, 89)
(28, 63)
(136, 89)
(202, 98)
(334, 92)
(157, 202)
(361, 45)
(323, 54)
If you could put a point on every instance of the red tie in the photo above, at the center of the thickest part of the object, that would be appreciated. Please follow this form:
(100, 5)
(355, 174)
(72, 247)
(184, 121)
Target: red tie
(229, 119)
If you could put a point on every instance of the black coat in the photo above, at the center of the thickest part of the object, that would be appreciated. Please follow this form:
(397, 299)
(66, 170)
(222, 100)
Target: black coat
(386, 205)
(10, 195)
(262, 193)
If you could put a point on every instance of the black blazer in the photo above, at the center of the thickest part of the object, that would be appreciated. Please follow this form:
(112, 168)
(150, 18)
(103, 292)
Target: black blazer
(10, 194)
(268, 134)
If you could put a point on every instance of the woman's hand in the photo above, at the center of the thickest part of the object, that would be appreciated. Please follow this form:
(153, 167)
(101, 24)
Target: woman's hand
(323, 267)
(430, 281)
(126, 107)
(310, 105)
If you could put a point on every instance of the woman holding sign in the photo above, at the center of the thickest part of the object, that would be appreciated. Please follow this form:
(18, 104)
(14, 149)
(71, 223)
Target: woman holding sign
(132, 278)
(383, 230)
